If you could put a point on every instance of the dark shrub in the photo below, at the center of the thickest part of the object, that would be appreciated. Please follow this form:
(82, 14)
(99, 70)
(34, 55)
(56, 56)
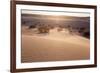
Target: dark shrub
(86, 34)
(32, 26)
(43, 29)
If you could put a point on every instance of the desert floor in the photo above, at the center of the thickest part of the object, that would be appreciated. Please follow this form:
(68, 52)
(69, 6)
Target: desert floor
(55, 46)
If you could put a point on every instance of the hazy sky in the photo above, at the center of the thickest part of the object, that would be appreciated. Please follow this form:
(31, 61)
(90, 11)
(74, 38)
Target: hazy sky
(66, 13)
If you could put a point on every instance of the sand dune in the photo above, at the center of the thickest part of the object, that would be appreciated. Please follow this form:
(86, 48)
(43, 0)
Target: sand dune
(54, 47)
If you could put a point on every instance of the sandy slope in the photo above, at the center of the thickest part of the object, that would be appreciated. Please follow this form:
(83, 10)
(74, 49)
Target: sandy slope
(54, 47)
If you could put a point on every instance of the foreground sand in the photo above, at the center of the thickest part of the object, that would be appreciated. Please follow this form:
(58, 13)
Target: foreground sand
(36, 48)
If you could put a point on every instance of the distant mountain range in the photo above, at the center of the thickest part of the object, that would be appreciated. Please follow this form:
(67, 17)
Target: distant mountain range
(52, 20)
